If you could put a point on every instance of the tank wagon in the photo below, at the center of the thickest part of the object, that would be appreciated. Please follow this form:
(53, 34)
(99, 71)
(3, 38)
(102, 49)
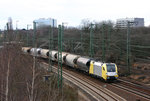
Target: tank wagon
(26, 49)
(44, 53)
(83, 63)
(107, 71)
(64, 55)
(35, 51)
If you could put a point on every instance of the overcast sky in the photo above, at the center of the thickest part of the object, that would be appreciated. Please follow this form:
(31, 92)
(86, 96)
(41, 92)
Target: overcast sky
(71, 11)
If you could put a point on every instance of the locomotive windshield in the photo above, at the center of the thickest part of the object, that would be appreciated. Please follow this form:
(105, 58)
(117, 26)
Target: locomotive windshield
(111, 68)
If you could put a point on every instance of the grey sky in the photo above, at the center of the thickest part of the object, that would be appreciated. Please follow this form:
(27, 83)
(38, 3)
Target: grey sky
(71, 11)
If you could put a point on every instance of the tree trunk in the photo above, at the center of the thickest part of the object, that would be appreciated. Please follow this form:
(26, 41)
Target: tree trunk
(7, 80)
(33, 79)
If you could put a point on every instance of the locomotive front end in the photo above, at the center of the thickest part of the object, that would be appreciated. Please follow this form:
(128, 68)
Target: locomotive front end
(111, 71)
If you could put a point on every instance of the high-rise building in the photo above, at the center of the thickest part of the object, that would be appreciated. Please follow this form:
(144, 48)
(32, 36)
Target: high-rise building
(42, 22)
(137, 22)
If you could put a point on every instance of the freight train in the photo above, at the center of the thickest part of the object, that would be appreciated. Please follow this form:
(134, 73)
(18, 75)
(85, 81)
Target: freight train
(106, 71)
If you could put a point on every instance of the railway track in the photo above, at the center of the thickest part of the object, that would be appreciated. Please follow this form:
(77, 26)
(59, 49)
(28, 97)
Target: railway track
(98, 92)
(133, 88)
(95, 88)
(137, 91)
(135, 85)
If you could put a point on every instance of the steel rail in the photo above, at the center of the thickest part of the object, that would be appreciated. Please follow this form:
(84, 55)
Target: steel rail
(132, 90)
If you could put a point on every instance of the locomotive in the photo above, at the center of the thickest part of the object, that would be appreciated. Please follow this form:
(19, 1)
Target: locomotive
(106, 71)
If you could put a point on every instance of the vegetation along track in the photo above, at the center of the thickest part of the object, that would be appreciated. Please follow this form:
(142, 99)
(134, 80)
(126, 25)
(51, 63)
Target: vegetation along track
(133, 88)
(96, 91)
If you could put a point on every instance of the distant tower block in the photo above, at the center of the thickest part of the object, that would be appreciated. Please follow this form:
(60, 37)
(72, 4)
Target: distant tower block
(10, 25)
(122, 23)
(42, 22)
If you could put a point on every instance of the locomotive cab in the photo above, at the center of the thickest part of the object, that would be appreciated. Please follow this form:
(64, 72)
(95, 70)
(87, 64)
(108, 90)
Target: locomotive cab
(109, 71)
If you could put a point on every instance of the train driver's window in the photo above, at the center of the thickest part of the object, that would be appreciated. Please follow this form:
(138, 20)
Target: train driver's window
(103, 68)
